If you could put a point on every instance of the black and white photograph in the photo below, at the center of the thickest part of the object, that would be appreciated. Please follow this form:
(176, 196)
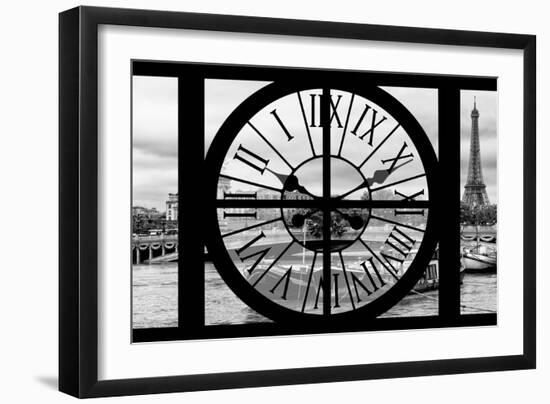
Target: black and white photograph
(478, 208)
(319, 202)
(314, 200)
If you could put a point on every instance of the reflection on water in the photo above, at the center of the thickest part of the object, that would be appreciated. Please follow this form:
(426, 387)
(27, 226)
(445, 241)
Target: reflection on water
(155, 298)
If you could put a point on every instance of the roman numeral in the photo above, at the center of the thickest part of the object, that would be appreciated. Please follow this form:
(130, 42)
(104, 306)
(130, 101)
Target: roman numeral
(251, 159)
(381, 281)
(282, 125)
(239, 212)
(398, 157)
(375, 284)
(306, 124)
(386, 264)
(373, 124)
(286, 278)
(260, 254)
(346, 279)
(355, 281)
(336, 298)
(310, 277)
(409, 198)
(315, 104)
(319, 290)
(400, 241)
(401, 244)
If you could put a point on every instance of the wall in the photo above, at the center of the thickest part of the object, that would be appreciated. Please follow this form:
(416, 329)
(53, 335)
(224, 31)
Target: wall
(28, 167)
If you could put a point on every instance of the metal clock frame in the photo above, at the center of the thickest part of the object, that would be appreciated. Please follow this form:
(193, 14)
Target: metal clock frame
(295, 82)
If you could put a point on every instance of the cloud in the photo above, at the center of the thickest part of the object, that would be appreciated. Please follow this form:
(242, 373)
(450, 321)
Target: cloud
(155, 130)
(487, 106)
(154, 140)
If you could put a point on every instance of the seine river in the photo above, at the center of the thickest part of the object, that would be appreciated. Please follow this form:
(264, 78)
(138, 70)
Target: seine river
(155, 298)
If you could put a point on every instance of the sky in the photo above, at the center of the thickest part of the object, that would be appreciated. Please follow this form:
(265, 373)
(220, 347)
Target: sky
(487, 106)
(155, 140)
(155, 131)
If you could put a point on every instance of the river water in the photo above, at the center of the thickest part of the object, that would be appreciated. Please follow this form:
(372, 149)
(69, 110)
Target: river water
(154, 296)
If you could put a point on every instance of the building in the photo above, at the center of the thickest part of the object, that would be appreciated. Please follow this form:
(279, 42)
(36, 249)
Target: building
(173, 200)
(145, 219)
(224, 185)
(172, 207)
(145, 212)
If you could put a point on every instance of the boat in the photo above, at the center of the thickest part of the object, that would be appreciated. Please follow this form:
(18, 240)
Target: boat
(488, 238)
(480, 258)
(479, 254)
(430, 277)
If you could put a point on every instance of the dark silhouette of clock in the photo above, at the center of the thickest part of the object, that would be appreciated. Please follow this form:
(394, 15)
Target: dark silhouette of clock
(321, 201)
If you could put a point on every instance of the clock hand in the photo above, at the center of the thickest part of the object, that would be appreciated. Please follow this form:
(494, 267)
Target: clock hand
(379, 177)
(291, 183)
(281, 177)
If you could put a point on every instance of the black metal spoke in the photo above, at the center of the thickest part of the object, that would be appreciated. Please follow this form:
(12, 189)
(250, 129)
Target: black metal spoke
(325, 122)
(309, 280)
(396, 223)
(384, 265)
(306, 123)
(379, 145)
(346, 124)
(270, 145)
(380, 204)
(251, 183)
(346, 279)
(252, 227)
(357, 188)
(397, 182)
(273, 263)
(268, 203)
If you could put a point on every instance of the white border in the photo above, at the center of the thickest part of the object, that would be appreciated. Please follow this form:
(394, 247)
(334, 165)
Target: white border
(119, 359)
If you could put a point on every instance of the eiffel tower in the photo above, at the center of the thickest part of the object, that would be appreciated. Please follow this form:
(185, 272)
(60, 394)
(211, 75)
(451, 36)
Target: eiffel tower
(475, 193)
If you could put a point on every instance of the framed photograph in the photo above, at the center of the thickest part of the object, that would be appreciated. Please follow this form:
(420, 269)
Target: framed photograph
(357, 201)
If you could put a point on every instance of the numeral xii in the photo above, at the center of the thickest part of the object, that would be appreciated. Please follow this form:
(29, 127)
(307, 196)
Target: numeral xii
(315, 108)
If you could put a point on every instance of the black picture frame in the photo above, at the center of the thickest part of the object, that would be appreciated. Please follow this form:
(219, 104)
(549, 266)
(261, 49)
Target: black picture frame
(78, 194)
(191, 308)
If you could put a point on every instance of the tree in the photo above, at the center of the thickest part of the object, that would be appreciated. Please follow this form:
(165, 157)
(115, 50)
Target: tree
(475, 214)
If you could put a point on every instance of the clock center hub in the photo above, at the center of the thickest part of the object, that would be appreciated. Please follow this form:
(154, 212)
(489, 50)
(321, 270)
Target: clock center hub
(306, 225)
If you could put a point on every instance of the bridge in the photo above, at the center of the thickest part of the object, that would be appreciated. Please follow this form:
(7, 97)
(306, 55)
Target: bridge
(164, 248)
(482, 232)
(148, 248)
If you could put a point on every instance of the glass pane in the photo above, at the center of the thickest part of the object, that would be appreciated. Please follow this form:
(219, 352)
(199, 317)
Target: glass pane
(479, 201)
(154, 202)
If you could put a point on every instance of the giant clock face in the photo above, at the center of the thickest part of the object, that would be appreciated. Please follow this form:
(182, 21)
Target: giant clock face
(320, 199)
